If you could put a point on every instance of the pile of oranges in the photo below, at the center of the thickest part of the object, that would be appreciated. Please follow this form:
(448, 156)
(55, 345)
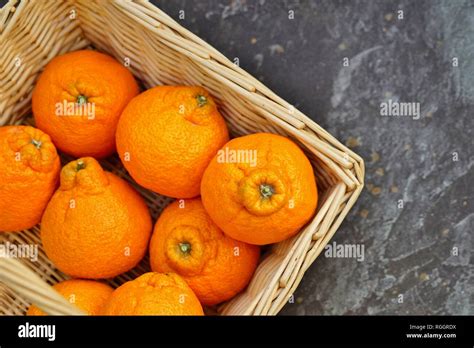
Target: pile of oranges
(231, 196)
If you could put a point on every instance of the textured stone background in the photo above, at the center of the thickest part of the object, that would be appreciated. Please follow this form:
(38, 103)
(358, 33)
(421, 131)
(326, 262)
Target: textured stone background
(409, 251)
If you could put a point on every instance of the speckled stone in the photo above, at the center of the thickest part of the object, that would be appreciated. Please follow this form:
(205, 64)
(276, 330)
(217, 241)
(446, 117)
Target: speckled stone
(415, 219)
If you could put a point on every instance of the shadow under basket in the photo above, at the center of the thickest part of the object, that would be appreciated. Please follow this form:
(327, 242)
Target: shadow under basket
(159, 51)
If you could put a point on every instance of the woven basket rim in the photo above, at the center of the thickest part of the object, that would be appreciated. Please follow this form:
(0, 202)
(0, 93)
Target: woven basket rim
(332, 156)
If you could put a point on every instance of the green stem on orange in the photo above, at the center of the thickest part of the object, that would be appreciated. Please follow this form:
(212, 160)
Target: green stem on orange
(266, 190)
(81, 99)
(80, 165)
(202, 100)
(36, 143)
(185, 247)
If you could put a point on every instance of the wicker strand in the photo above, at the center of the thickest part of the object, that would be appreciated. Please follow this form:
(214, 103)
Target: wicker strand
(160, 52)
(27, 284)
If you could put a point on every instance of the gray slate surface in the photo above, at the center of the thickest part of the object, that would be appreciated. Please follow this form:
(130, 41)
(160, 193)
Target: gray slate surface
(423, 251)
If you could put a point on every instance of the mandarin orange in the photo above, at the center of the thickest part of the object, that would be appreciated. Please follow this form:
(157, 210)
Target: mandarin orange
(260, 188)
(29, 172)
(96, 225)
(154, 294)
(187, 242)
(166, 137)
(88, 295)
(78, 100)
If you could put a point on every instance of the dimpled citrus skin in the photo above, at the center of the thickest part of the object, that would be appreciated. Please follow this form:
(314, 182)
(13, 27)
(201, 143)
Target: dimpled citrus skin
(103, 81)
(154, 294)
(29, 172)
(96, 225)
(263, 201)
(186, 241)
(166, 137)
(88, 295)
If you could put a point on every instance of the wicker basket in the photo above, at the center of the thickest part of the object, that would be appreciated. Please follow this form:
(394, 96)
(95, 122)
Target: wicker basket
(159, 51)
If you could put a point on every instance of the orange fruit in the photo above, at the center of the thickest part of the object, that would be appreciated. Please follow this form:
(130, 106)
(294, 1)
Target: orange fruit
(88, 295)
(96, 225)
(260, 189)
(78, 100)
(29, 172)
(166, 137)
(154, 294)
(187, 242)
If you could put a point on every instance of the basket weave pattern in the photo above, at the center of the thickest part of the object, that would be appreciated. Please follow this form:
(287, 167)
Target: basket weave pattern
(159, 51)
